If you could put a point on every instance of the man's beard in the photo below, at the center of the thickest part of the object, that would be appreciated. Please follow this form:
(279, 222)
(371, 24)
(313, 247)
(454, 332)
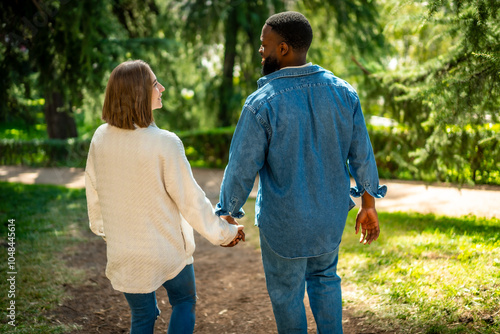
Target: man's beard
(271, 65)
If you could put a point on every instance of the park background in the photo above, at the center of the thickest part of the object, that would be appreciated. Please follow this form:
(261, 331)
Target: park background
(427, 73)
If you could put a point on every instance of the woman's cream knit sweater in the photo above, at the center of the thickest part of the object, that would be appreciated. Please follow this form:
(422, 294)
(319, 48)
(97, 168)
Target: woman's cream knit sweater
(143, 199)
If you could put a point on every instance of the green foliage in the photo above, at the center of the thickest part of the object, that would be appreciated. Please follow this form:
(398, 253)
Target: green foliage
(456, 155)
(391, 147)
(210, 148)
(203, 149)
(432, 66)
(443, 85)
(236, 24)
(205, 53)
(44, 152)
(52, 50)
(354, 23)
(48, 221)
(25, 129)
(60, 51)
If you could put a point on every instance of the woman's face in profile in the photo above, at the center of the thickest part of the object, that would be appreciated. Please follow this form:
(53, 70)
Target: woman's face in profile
(157, 90)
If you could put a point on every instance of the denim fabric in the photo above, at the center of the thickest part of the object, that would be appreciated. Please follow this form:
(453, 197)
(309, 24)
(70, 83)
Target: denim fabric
(286, 280)
(300, 131)
(181, 292)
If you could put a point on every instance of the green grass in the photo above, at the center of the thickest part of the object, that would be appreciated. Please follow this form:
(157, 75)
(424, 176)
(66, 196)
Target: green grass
(49, 221)
(425, 273)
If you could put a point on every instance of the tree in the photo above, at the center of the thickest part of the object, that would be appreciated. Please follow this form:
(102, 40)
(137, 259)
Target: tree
(62, 51)
(58, 43)
(238, 25)
(59, 49)
(445, 88)
(233, 23)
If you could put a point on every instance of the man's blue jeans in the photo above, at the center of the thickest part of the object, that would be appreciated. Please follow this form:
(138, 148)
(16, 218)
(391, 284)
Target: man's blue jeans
(181, 292)
(286, 281)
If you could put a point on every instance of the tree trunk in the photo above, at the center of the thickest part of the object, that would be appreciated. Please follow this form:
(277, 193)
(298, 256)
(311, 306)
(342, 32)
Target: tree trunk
(60, 122)
(226, 89)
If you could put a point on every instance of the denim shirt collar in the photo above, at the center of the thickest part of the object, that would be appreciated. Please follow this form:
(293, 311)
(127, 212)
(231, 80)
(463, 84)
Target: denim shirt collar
(289, 72)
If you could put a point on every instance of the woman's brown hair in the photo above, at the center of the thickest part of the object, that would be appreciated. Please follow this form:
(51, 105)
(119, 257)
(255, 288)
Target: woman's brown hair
(128, 96)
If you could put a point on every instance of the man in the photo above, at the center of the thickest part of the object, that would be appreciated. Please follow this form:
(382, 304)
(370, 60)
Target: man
(300, 131)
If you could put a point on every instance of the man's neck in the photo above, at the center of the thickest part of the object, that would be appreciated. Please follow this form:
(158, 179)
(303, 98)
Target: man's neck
(297, 66)
(294, 60)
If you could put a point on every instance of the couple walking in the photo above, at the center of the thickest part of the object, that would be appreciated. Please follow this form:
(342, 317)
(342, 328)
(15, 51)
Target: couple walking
(301, 131)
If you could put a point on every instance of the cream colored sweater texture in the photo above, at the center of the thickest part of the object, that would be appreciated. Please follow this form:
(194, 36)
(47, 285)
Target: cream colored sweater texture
(143, 199)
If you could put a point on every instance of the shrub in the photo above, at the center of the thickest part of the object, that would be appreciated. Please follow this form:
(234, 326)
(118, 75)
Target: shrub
(468, 155)
(208, 148)
(44, 152)
(459, 155)
(203, 148)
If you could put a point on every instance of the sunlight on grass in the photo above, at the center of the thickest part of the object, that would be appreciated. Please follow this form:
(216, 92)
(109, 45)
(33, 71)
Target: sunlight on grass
(49, 220)
(425, 274)
(428, 272)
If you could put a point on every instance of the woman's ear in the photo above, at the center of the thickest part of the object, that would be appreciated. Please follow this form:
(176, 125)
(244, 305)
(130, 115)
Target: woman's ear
(283, 47)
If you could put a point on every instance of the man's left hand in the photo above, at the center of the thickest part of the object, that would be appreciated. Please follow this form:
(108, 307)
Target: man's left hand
(367, 219)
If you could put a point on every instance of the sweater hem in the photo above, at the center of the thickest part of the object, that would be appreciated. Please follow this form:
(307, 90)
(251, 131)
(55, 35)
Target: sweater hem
(156, 285)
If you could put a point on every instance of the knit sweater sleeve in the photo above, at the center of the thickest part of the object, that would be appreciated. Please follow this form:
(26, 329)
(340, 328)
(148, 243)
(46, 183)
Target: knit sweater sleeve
(94, 209)
(194, 206)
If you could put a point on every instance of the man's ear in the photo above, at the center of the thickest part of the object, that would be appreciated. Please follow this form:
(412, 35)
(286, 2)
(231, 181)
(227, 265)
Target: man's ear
(284, 48)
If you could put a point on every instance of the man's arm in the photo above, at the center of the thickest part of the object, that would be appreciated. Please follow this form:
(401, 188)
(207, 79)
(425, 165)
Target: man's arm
(246, 157)
(363, 168)
(361, 159)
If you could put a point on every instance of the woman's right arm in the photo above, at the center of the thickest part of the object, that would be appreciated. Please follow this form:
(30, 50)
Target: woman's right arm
(190, 198)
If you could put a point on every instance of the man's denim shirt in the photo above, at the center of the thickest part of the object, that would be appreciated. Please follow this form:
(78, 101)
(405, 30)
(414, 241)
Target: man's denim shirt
(300, 130)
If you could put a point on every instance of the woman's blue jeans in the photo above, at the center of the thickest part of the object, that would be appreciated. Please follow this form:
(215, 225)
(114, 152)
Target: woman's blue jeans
(181, 292)
(286, 281)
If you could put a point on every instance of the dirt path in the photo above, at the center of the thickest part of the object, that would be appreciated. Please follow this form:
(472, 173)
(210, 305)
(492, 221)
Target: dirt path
(232, 296)
(231, 290)
(481, 201)
(230, 282)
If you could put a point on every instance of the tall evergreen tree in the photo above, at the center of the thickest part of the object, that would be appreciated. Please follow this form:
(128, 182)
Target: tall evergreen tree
(446, 88)
(59, 43)
(57, 49)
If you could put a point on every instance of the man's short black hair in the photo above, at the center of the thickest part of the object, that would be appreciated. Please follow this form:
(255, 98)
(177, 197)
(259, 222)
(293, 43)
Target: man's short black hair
(294, 28)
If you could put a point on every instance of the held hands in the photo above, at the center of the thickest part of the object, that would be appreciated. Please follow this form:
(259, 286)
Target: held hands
(239, 236)
(367, 219)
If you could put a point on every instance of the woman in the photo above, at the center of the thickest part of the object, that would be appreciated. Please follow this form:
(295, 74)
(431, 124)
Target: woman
(142, 198)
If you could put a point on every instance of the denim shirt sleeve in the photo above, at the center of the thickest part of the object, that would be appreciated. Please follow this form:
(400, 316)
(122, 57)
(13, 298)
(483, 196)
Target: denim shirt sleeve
(361, 159)
(246, 157)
